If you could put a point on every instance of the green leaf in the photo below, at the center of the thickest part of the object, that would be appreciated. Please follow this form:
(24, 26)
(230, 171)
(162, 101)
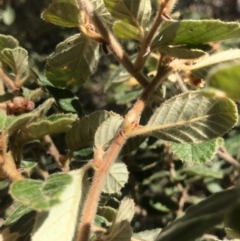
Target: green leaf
(191, 118)
(38, 194)
(14, 123)
(7, 41)
(73, 61)
(107, 130)
(121, 229)
(126, 31)
(63, 14)
(232, 144)
(8, 16)
(226, 78)
(3, 118)
(65, 99)
(147, 235)
(116, 178)
(57, 123)
(134, 12)
(17, 60)
(107, 212)
(182, 52)
(201, 217)
(20, 211)
(203, 171)
(196, 152)
(195, 32)
(63, 218)
(82, 132)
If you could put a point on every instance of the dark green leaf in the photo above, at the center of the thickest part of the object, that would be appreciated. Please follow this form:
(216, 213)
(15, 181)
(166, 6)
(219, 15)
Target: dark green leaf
(73, 61)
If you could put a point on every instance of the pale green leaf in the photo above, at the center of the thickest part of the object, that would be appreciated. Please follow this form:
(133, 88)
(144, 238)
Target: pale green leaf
(14, 123)
(227, 79)
(195, 152)
(107, 130)
(147, 235)
(134, 12)
(3, 118)
(195, 32)
(20, 211)
(182, 52)
(7, 41)
(203, 171)
(125, 30)
(73, 61)
(121, 229)
(63, 14)
(233, 234)
(82, 132)
(191, 118)
(8, 16)
(116, 178)
(61, 222)
(201, 217)
(40, 195)
(17, 60)
(53, 124)
(107, 212)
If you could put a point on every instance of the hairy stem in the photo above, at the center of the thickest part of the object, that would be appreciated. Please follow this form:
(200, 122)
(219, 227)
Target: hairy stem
(112, 42)
(148, 39)
(8, 82)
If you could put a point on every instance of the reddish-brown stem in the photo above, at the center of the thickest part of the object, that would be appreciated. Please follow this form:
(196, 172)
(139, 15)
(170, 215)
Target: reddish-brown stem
(93, 196)
(148, 39)
(112, 42)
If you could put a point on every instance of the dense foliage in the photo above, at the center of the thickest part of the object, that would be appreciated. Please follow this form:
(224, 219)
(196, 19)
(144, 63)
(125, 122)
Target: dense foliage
(118, 121)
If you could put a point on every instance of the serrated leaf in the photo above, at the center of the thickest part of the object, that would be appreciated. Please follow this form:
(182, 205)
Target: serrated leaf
(121, 229)
(116, 178)
(3, 118)
(226, 78)
(7, 41)
(17, 60)
(196, 152)
(195, 32)
(107, 130)
(182, 52)
(125, 30)
(147, 235)
(201, 217)
(73, 61)
(63, 218)
(191, 118)
(53, 124)
(82, 132)
(62, 13)
(134, 12)
(14, 123)
(38, 194)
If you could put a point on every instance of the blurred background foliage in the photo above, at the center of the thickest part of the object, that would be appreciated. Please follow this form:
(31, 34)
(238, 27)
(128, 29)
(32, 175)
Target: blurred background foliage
(161, 185)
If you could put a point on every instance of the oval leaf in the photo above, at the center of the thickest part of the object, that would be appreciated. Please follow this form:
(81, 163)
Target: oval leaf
(40, 195)
(73, 61)
(107, 130)
(116, 178)
(191, 118)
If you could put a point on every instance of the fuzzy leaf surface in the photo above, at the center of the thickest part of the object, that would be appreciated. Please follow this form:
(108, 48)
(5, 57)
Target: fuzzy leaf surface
(7, 41)
(82, 132)
(38, 194)
(61, 222)
(191, 118)
(73, 61)
(195, 32)
(16, 59)
(116, 178)
(107, 130)
(201, 217)
(14, 123)
(64, 14)
(226, 78)
(147, 235)
(53, 124)
(195, 152)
